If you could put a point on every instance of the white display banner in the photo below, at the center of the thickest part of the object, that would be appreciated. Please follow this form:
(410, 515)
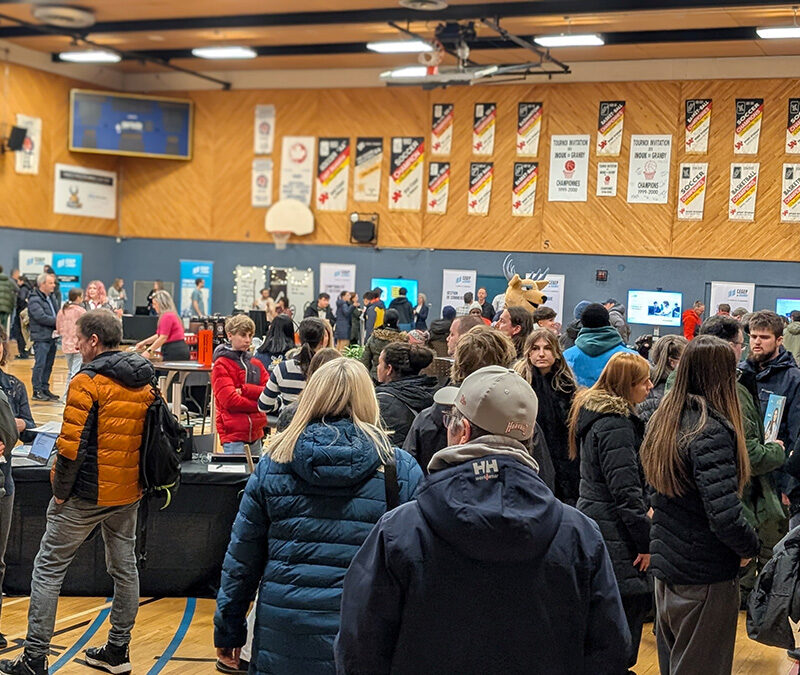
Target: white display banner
(367, 172)
(749, 112)
(27, 159)
(483, 127)
(262, 183)
(529, 126)
(648, 174)
(743, 191)
(438, 187)
(610, 122)
(264, 130)
(333, 173)
(249, 280)
(481, 175)
(31, 263)
(793, 128)
(790, 194)
(692, 184)
(85, 192)
(554, 292)
(733, 293)
(569, 168)
(607, 173)
(300, 290)
(523, 189)
(406, 184)
(442, 129)
(698, 125)
(455, 283)
(335, 278)
(297, 168)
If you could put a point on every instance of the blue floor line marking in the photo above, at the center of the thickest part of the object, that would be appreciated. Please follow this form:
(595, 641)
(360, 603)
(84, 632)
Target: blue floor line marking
(183, 628)
(67, 656)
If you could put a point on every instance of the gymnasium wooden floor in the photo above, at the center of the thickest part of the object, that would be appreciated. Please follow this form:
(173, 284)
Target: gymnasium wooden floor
(175, 635)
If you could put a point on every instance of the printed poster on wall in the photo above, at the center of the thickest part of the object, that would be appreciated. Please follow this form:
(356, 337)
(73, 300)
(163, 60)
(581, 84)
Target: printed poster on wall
(483, 126)
(262, 183)
(743, 191)
(407, 161)
(793, 128)
(442, 129)
(555, 295)
(85, 192)
(190, 271)
(523, 190)
(610, 121)
(749, 112)
(297, 168)
(438, 187)
(335, 278)
(648, 175)
(31, 262)
(698, 125)
(333, 173)
(68, 268)
(734, 293)
(692, 182)
(455, 283)
(569, 168)
(481, 175)
(529, 126)
(27, 159)
(607, 173)
(369, 158)
(264, 130)
(790, 194)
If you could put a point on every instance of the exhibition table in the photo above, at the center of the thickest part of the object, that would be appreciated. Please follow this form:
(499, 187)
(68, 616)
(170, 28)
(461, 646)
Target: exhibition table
(185, 543)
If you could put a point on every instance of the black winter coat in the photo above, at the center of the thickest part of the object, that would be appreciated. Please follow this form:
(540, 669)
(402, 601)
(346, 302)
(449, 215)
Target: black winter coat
(401, 401)
(17, 396)
(650, 404)
(404, 309)
(440, 329)
(570, 334)
(701, 536)
(612, 489)
(42, 312)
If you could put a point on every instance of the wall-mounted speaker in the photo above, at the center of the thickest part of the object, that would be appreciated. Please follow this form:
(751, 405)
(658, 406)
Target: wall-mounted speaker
(364, 228)
(16, 138)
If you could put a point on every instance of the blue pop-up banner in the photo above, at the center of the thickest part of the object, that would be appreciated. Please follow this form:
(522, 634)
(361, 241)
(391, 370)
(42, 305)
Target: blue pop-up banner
(69, 269)
(191, 271)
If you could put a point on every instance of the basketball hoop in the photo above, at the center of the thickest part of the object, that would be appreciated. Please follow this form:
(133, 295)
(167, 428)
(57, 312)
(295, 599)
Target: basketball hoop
(281, 239)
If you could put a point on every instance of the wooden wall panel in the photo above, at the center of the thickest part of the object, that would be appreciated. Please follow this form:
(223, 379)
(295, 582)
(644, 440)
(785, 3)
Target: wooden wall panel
(27, 201)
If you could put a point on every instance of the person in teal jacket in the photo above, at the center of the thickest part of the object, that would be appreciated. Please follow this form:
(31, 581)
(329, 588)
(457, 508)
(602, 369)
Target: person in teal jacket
(596, 343)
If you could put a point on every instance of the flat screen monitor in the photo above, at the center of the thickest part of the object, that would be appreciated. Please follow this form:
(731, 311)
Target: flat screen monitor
(785, 306)
(391, 289)
(655, 308)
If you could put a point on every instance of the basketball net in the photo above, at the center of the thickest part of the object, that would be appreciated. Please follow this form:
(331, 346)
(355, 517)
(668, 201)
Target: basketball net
(281, 239)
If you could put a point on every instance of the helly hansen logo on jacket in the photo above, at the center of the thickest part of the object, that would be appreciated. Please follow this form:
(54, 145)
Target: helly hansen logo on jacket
(485, 469)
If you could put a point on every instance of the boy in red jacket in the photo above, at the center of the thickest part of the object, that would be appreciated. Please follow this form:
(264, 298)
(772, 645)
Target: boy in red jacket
(237, 381)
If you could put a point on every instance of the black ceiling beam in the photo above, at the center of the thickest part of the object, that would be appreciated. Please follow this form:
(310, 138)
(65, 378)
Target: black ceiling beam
(497, 10)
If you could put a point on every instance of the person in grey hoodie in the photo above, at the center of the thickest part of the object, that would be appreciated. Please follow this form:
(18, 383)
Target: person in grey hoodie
(616, 316)
(791, 336)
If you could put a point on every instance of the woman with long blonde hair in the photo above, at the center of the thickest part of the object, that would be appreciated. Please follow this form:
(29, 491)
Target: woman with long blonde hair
(543, 366)
(694, 457)
(312, 501)
(169, 335)
(605, 429)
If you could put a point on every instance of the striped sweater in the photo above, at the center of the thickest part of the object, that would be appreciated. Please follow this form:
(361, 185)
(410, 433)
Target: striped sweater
(283, 387)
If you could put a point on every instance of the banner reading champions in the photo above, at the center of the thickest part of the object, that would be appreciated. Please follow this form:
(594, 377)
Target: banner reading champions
(191, 270)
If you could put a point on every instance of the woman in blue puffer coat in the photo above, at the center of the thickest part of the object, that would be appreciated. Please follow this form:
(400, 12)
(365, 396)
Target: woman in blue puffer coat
(306, 510)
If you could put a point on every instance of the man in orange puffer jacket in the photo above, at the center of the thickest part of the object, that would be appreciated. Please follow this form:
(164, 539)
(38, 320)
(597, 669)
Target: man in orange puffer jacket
(237, 381)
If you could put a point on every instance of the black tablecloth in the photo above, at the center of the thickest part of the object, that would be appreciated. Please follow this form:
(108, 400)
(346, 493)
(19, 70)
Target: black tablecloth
(185, 542)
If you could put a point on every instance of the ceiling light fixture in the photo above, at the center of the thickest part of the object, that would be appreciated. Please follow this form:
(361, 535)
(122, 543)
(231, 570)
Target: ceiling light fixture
(399, 47)
(780, 32)
(90, 56)
(424, 5)
(568, 40)
(406, 71)
(224, 53)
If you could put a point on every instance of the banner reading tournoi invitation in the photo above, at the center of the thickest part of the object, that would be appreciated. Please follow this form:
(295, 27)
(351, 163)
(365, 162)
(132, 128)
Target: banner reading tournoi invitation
(529, 126)
(793, 128)
(790, 194)
(455, 283)
(407, 160)
(607, 173)
(333, 173)
(749, 112)
(262, 183)
(698, 125)
(569, 168)
(648, 174)
(438, 187)
(367, 173)
(743, 191)
(692, 180)
(610, 122)
(523, 190)
(442, 129)
(297, 168)
(481, 175)
(264, 130)
(483, 127)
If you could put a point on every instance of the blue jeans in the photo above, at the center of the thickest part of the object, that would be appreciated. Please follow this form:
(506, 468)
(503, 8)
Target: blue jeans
(74, 363)
(44, 354)
(237, 447)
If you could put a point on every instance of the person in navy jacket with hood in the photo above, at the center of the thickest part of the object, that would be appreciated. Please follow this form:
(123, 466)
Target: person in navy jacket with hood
(486, 571)
(310, 504)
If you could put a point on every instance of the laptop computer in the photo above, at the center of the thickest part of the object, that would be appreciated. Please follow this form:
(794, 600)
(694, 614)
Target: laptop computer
(43, 449)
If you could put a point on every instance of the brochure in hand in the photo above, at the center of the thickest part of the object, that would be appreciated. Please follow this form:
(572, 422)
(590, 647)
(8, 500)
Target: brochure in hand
(773, 417)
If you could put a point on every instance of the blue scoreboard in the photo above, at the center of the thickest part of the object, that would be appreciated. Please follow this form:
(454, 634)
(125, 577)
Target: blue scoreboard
(131, 125)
